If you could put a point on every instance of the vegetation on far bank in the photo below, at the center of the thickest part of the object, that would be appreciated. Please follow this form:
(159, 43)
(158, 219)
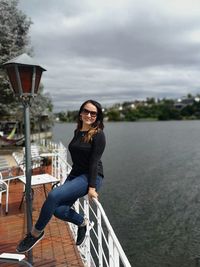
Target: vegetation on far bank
(186, 108)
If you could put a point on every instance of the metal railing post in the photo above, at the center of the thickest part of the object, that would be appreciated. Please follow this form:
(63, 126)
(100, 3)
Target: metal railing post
(87, 242)
(99, 226)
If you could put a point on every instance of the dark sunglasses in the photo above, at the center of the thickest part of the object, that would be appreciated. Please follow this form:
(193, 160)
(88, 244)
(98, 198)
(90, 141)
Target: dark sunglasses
(87, 112)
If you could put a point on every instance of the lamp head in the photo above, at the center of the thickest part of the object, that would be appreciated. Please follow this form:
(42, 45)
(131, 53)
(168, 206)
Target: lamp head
(24, 76)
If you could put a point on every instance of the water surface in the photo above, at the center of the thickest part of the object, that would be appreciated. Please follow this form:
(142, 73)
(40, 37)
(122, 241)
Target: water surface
(151, 191)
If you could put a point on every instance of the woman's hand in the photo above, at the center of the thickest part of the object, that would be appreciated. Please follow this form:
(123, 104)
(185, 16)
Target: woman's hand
(92, 193)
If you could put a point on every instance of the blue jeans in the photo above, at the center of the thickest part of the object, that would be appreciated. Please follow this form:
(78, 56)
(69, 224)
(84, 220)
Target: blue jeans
(60, 200)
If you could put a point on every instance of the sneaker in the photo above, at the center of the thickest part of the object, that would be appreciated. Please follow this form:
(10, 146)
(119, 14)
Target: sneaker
(28, 242)
(81, 235)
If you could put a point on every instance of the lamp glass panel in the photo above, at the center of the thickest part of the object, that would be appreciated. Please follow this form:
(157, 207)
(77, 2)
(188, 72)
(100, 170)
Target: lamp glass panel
(13, 78)
(26, 74)
(37, 79)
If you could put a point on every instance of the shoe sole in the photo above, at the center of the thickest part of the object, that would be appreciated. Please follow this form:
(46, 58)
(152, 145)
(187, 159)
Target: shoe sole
(30, 247)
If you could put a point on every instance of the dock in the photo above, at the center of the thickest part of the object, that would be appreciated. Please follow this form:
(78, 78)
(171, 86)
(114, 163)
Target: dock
(57, 248)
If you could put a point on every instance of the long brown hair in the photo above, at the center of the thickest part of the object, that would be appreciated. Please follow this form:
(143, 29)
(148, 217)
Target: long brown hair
(96, 126)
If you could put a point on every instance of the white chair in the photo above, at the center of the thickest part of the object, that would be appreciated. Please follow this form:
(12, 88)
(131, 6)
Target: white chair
(19, 158)
(3, 164)
(4, 188)
(36, 160)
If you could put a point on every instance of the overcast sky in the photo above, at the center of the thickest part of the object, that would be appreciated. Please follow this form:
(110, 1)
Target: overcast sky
(115, 50)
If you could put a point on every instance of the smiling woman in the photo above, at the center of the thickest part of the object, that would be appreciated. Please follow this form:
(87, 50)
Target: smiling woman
(86, 176)
(90, 119)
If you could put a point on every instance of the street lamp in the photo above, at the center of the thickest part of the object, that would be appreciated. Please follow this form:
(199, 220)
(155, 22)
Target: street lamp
(24, 76)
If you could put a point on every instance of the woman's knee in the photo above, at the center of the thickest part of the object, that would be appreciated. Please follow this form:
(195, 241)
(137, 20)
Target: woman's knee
(52, 197)
(62, 212)
(57, 214)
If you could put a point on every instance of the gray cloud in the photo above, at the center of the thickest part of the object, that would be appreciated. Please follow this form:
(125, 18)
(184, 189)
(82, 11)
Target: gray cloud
(115, 51)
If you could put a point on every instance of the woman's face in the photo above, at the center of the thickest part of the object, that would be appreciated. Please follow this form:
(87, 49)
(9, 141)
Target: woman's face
(88, 114)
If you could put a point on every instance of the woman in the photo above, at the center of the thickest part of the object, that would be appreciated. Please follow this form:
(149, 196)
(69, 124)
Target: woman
(86, 149)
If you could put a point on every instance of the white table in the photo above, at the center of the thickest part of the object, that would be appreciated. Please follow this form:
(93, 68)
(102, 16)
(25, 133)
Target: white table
(39, 179)
(47, 154)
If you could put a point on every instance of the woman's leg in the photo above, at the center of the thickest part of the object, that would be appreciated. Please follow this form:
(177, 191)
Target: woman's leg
(66, 213)
(68, 193)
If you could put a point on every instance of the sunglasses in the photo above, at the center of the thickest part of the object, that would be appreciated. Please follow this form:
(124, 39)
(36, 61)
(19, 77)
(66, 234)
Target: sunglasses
(85, 111)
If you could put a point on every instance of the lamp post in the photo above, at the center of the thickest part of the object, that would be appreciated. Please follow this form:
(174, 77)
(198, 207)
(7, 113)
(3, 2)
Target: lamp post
(24, 76)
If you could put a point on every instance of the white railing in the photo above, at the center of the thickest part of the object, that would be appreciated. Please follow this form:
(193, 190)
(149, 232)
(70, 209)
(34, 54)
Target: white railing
(101, 247)
(60, 167)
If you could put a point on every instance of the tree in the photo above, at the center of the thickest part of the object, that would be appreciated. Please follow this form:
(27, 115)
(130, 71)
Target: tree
(151, 100)
(14, 40)
(114, 115)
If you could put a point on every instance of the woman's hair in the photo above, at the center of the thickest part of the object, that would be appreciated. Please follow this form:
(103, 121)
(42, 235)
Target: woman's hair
(96, 126)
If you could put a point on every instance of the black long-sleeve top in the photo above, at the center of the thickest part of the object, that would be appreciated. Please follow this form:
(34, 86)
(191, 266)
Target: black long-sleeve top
(86, 157)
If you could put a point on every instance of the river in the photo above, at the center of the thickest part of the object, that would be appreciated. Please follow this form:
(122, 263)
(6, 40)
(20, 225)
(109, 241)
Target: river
(151, 190)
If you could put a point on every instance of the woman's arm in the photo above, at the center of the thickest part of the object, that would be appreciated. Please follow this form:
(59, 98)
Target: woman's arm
(98, 146)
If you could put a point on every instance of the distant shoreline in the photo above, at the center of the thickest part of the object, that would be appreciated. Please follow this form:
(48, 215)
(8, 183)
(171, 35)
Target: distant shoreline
(139, 120)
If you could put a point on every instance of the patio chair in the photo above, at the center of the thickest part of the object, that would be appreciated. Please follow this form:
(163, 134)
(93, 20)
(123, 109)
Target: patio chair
(7, 171)
(4, 188)
(3, 163)
(36, 160)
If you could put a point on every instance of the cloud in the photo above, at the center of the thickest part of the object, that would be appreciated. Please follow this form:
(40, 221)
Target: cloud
(115, 51)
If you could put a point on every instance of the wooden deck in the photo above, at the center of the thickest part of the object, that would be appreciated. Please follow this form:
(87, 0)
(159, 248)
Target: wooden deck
(57, 248)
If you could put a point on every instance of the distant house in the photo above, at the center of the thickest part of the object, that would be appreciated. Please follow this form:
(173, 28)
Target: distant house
(184, 102)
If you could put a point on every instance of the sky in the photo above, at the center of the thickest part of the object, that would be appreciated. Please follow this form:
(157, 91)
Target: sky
(114, 51)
